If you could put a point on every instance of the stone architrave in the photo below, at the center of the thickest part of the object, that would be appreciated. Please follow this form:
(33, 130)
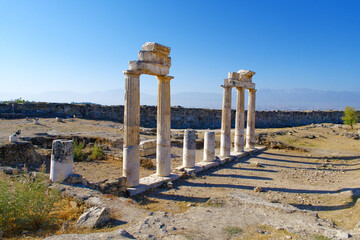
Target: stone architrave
(189, 148)
(153, 59)
(250, 129)
(62, 160)
(209, 146)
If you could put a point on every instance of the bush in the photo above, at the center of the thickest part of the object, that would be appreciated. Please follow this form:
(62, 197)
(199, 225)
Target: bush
(78, 151)
(25, 204)
(96, 152)
(351, 116)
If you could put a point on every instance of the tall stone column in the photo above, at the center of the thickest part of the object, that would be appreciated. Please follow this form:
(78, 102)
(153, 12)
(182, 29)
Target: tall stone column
(163, 145)
(226, 123)
(250, 128)
(131, 154)
(239, 121)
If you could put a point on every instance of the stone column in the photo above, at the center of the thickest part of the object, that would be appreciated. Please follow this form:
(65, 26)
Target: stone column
(250, 128)
(189, 148)
(62, 160)
(209, 146)
(226, 123)
(239, 121)
(163, 145)
(131, 154)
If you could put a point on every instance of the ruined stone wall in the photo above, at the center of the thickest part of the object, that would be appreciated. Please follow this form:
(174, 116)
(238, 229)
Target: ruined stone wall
(180, 117)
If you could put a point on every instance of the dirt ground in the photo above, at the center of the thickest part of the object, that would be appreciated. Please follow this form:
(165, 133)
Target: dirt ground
(313, 168)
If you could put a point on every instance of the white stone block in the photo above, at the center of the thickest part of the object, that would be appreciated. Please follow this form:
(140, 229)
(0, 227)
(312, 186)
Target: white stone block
(148, 144)
(62, 160)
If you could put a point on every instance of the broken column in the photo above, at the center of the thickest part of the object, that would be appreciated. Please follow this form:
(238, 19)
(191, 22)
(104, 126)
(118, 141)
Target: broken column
(131, 154)
(163, 145)
(62, 159)
(209, 146)
(225, 144)
(189, 148)
(250, 128)
(239, 121)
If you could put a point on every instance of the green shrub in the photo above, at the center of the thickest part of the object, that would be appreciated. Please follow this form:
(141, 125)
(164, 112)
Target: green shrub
(25, 204)
(78, 151)
(351, 116)
(96, 152)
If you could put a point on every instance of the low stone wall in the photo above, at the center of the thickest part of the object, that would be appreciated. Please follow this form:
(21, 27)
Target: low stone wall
(180, 117)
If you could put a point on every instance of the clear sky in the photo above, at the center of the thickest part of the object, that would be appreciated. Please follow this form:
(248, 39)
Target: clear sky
(84, 46)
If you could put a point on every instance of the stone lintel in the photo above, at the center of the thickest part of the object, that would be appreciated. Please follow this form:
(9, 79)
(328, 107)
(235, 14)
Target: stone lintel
(156, 47)
(246, 75)
(149, 68)
(154, 57)
(235, 83)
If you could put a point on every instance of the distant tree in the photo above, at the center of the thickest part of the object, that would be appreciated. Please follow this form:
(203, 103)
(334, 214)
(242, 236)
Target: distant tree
(351, 116)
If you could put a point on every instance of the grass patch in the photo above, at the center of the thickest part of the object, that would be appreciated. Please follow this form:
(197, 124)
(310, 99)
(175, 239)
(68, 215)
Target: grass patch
(320, 237)
(232, 231)
(96, 152)
(78, 151)
(213, 202)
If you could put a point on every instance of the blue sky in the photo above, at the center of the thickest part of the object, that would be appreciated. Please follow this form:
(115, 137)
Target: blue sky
(83, 46)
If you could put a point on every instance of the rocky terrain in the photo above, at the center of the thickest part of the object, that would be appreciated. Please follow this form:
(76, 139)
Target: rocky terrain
(305, 186)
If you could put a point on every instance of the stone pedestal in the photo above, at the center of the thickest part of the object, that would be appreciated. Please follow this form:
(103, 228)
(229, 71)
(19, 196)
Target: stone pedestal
(209, 146)
(189, 148)
(239, 121)
(226, 123)
(131, 154)
(62, 159)
(250, 128)
(163, 145)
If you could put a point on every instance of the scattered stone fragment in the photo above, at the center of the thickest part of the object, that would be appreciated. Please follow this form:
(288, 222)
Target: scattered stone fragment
(258, 189)
(170, 184)
(94, 217)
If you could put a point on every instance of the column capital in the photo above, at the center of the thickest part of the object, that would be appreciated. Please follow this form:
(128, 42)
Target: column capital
(164, 77)
(240, 88)
(253, 90)
(226, 86)
(132, 72)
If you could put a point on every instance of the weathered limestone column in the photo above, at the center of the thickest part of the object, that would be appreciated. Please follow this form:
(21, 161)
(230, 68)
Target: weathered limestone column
(131, 154)
(226, 123)
(62, 160)
(163, 145)
(189, 148)
(239, 121)
(250, 128)
(209, 146)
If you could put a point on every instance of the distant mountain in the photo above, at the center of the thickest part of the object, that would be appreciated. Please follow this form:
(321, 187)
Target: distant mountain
(266, 99)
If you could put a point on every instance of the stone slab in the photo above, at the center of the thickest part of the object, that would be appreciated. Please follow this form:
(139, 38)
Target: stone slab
(147, 152)
(154, 181)
(149, 68)
(148, 144)
(154, 57)
(156, 47)
(234, 83)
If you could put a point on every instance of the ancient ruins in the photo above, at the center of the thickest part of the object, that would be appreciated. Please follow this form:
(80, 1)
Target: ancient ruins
(241, 80)
(153, 60)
